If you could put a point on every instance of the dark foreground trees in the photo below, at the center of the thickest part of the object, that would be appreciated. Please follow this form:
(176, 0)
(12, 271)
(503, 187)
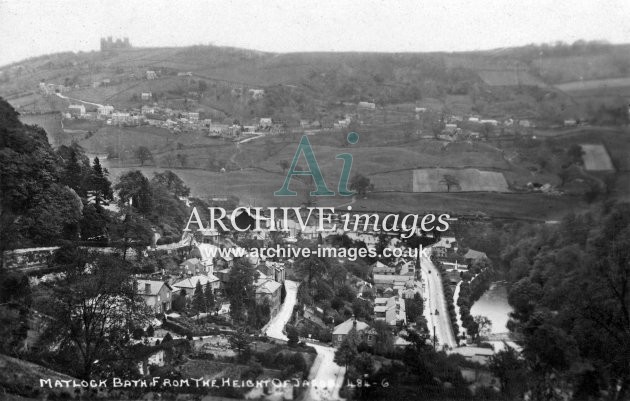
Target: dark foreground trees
(92, 311)
(571, 295)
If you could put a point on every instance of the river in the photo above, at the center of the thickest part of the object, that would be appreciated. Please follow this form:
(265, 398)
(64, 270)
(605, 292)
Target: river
(493, 304)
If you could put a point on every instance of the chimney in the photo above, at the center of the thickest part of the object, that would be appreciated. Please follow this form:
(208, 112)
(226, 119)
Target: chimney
(354, 322)
(147, 288)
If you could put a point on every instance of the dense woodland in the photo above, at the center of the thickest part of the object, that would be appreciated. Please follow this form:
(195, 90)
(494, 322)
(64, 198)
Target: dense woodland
(570, 288)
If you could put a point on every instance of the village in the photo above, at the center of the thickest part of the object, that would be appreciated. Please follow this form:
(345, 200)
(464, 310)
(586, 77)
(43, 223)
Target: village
(188, 301)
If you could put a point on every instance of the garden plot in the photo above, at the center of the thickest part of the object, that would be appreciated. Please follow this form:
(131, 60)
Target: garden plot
(460, 180)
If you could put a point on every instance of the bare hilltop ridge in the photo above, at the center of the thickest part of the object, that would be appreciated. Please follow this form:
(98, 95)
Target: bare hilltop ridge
(473, 132)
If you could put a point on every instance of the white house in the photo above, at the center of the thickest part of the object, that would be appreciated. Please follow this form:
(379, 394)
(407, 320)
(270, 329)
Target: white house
(491, 122)
(366, 105)
(266, 122)
(77, 110)
(147, 109)
(105, 110)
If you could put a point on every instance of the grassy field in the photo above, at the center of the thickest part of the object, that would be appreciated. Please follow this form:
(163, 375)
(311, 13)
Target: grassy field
(526, 206)
(385, 153)
(255, 188)
(466, 180)
(596, 158)
(252, 187)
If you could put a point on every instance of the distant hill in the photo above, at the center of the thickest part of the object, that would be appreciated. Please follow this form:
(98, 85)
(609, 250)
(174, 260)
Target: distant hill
(310, 85)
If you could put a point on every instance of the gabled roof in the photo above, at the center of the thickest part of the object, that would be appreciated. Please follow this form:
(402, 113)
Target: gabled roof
(155, 286)
(191, 282)
(385, 301)
(267, 286)
(472, 254)
(345, 327)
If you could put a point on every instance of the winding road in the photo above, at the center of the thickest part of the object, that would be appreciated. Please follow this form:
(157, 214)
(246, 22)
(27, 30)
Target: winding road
(326, 376)
(275, 327)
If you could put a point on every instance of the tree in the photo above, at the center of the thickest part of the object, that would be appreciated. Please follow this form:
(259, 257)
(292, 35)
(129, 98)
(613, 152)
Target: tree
(150, 331)
(511, 371)
(362, 367)
(29, 168)
(143, 154)
(76, 170)
(98, 183)
(240, 341)
(414, 308)
(199, 301)
(575, 153)
(292, 335)
(312, 269)
(240, 289)
(56, 215)
(384, 343)
(132, 232)
(450, 181)
(179, 302)
(182, 158)
(484, 325)
(171, 182)
(361, 184)
(209, 297)
(93, 310)
(135, 189)
(137, 333)
(15, 303)
(169, 159)
(347, 351)
(571, 301)
(94, 223)
(259, 314)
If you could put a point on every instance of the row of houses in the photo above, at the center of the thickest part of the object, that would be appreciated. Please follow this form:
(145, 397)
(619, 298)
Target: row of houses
(205, 266)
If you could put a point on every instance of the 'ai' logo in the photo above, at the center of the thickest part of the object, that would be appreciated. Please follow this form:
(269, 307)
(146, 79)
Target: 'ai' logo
(304, 147)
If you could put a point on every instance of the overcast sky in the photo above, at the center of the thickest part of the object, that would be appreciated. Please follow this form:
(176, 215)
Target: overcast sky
(30, 28)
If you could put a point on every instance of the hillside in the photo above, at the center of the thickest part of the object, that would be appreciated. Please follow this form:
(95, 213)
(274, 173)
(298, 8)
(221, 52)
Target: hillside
(311, 85)
(399, 149)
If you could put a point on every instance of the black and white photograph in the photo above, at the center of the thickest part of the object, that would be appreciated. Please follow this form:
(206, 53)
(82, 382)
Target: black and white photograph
(315, 200)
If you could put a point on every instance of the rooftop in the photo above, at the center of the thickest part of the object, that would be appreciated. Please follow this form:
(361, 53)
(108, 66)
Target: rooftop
(345, 327)
(191, 282)
(154, 286)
